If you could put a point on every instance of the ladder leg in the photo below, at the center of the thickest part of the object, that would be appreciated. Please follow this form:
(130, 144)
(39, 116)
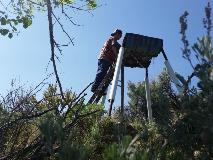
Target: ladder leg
(122, 92)
(115, 78)
(173, 77)
(164, 54)
(172, 74)
(110, 107)
(148, 97)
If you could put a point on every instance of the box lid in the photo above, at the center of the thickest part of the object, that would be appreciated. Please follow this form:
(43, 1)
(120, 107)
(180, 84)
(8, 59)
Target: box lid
(139, 50)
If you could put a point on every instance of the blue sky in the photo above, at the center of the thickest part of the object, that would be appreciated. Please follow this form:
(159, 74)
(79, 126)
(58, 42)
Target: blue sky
(25, 57)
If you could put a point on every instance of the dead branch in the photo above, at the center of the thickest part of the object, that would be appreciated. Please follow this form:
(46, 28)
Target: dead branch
(49, 8)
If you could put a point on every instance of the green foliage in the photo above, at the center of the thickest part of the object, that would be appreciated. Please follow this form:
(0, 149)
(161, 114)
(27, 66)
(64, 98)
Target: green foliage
(181, 129)
(3, 21)
(21, 12)
(124, 151)
(17, 12)
(27, 21)
(182, 125)
(51, 128)
(113, 152)
(66, 1)
(4, 32)
(72, 151)
(55, 138)
(40, 132)
(163, 98)
(91, 3)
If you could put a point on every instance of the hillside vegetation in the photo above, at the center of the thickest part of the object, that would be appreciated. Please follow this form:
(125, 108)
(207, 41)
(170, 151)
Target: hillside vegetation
(66, 128)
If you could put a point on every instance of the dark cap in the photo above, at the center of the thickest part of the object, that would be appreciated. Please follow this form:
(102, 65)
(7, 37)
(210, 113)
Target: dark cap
(116, 31)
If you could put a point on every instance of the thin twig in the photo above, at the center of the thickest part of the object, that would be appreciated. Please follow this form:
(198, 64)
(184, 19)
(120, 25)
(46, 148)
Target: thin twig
(84, 90)
(69, 17)
(36, 3)
(80, 116)
(62, 27)
(70, 106)
(26, 118)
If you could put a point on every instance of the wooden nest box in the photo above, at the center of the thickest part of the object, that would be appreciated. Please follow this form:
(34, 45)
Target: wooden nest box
(139, 50)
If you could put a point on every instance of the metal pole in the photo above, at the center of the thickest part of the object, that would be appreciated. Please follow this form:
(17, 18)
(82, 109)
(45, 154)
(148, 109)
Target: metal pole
(211, 74)
(148, 97)
(122, 91)
(110, 107)
(115, 78)
(164, 55)
(172, 74)
(173, 77)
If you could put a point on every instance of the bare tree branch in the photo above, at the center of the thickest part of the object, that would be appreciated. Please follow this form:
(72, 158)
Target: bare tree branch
(49, 8)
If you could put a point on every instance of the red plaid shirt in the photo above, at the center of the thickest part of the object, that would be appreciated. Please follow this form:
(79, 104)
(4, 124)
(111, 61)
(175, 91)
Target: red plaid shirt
(106, 51)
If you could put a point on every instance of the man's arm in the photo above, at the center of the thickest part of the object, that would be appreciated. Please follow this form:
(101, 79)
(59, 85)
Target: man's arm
(114, 50)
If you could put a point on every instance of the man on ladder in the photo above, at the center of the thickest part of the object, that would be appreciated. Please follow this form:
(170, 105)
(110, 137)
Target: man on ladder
(107, 58)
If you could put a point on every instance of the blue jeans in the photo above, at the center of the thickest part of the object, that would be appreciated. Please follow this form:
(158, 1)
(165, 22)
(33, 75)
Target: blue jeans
(103, 66)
